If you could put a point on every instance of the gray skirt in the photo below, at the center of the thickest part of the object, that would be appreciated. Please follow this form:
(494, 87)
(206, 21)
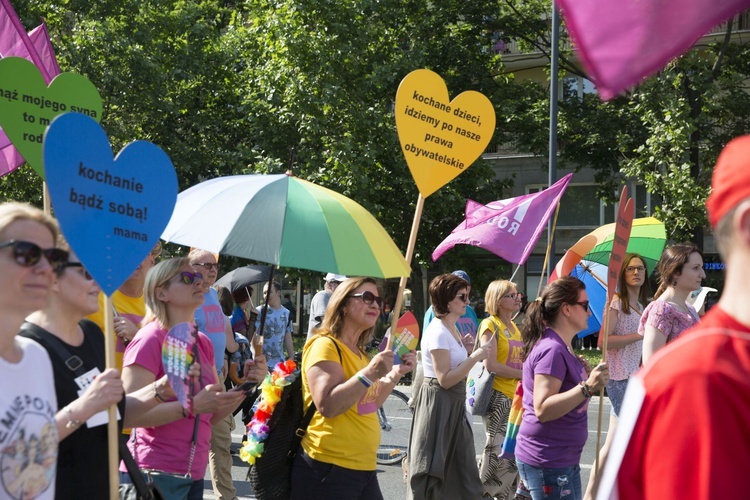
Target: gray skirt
(442, 459)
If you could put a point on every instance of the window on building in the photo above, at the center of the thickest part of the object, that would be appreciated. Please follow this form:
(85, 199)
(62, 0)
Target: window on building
(645, 202)
(575, 87)
(581, 207)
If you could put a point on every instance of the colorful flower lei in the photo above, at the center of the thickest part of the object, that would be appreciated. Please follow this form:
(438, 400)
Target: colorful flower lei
(270, 394)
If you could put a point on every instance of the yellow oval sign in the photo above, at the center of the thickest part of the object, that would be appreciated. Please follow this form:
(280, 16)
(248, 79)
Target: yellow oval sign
(440, 138)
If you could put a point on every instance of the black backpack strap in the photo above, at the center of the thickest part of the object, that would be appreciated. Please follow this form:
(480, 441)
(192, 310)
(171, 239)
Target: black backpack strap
(73, 362)
(302, 429)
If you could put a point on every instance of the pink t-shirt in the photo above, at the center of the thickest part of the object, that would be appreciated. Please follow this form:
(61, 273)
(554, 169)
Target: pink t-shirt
(167, 447)
(666, 318)
(625, 361)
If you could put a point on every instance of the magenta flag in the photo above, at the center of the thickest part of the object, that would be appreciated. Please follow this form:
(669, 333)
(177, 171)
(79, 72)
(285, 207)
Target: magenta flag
(37, 48)
(508, 228)
(623, 41)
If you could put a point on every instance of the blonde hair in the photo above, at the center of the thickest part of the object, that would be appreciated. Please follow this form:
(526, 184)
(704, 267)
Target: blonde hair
(157, 277)
(11, 212)
(333, 321)
(496, 291)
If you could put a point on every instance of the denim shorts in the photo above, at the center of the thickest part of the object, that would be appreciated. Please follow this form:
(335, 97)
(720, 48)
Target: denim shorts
(616, 393)
(562, 483)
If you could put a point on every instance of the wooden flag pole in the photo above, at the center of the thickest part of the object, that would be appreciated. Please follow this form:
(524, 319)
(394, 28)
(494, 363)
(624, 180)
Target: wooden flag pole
(402, 283)
(549, 247)
(113, 440)
(623, 226)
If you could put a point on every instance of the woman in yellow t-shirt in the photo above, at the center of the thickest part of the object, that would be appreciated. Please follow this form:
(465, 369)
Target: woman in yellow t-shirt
(504, 359)
(337, 458)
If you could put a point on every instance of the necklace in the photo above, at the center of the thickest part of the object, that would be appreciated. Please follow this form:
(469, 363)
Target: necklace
(454, 332)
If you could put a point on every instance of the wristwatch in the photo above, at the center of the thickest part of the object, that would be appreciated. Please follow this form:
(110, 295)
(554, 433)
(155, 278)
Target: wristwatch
(585, 390)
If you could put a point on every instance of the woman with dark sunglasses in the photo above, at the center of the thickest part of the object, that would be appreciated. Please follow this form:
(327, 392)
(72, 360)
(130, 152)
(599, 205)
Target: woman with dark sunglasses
(442, 460)
(557, 386)
(76, 348)
(337, 458)
(31, 425)
(163, 441)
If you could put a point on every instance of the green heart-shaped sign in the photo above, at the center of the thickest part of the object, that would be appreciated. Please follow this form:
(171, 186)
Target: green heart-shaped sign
(27, 105)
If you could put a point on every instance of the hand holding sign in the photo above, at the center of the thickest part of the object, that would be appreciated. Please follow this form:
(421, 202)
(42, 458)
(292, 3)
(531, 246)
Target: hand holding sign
(440, 138)
(406, 338)
(28, 106)
(111, 211)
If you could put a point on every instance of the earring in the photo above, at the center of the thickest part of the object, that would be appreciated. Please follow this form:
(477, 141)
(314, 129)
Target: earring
(674, 283)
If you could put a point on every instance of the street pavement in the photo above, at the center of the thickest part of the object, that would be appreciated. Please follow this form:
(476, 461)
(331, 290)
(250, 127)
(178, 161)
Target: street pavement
(390, 477)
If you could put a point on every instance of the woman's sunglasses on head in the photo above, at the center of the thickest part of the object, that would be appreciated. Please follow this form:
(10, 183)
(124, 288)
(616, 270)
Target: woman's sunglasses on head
(28, 254)
(368, 298)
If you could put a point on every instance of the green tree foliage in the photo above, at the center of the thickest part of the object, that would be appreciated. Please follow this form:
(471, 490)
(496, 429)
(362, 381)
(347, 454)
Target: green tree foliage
(665, 133)
(261, 86)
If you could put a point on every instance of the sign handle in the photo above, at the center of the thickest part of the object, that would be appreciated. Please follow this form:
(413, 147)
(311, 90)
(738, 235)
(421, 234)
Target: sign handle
(112, 434)
(402, 283)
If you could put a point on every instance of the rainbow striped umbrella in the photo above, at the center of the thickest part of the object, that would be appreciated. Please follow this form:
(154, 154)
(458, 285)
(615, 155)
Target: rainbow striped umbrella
(286, 221)
(647, 238)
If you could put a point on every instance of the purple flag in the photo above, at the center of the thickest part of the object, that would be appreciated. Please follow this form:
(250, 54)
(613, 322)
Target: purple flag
(509, 228)
(37, 48)
(623, 41)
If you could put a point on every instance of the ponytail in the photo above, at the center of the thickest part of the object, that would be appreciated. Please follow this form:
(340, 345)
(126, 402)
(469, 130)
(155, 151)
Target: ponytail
(533, 326)
(545, 309)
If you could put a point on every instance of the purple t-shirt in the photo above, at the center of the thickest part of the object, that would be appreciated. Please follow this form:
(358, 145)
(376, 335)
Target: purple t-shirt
(167, 447)
(559, 442)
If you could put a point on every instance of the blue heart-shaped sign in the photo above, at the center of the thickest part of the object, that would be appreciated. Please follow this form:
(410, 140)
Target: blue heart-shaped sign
(112, 212)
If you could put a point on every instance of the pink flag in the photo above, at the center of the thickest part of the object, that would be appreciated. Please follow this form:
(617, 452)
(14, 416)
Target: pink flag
(509, 228)
(623, 41)
(37, 48)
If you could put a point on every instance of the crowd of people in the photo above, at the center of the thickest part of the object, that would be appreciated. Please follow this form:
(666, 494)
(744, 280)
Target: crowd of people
(662, 359)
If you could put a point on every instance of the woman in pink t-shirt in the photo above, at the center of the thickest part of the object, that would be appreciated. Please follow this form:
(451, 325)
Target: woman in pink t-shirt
(172, 293)
(680, 273)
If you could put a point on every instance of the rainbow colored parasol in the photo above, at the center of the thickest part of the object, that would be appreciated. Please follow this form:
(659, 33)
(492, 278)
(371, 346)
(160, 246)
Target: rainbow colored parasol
(647, 238)
(286, 221)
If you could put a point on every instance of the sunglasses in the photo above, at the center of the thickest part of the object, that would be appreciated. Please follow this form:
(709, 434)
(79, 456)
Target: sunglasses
(207, 265)
(29, 254)
(368, 298)
(464, 297)
(187, 278)
(584, 304)
(84, 271)
(513, 296)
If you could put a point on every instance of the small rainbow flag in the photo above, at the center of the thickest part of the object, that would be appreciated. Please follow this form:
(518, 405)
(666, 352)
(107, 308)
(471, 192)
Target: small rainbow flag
(514, 423)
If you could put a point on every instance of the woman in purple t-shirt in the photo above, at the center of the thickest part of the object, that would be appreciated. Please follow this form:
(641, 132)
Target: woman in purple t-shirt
(172, 293)
(557, 386)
